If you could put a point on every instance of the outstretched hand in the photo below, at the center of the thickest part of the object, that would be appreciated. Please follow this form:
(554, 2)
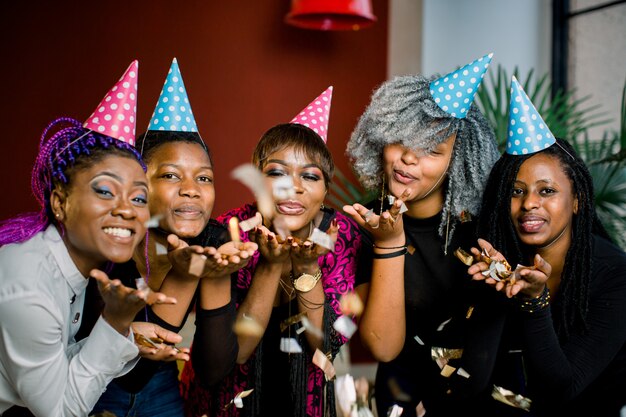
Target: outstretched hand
(122, 303)
(308, 251)
(528, 281)
(222, 261)
(160, 343)
(271, 246)
(386, 227)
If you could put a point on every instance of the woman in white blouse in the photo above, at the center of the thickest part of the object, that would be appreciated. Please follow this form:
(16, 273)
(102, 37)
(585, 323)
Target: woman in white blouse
(93, 195)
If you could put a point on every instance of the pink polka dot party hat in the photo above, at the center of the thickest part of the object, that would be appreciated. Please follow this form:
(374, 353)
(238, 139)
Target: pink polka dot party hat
(116, 114)
(315, 115)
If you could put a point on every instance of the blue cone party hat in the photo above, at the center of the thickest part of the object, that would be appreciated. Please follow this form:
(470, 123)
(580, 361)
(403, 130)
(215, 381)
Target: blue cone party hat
(454, 92)
(173, 111)
(527, 132)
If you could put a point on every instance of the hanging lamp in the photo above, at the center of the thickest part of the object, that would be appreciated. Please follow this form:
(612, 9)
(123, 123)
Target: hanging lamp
(331, 14)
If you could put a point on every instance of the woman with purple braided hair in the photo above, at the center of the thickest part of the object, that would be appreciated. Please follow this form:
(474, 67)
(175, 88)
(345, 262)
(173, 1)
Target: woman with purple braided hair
(92, 193)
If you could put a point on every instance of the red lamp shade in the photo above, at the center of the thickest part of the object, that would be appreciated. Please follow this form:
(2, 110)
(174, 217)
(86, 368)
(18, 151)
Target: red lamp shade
(331, 14)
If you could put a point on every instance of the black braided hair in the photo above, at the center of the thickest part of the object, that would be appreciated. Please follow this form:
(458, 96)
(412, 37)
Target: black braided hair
(495, 225)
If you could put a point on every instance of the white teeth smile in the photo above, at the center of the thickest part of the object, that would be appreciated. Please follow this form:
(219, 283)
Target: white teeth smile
(532, 223)
(116, 231)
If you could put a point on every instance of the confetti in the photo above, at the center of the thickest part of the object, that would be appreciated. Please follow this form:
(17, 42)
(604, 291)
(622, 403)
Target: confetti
(418, 340)
(447, 370)
(462, 372)
(510, 398)
(322, 239)
(247, 326)
(290, 345)
(141, 284)
(351, 304)
(308, 326)
(442, 325)
(345, 326)
(345, 392)
(283, 189)
(237, 401)
(254, 180)
(251, 223)
(160, 249)
(153, 221)
(233, 229)
(145, 341)
(323, 362)
(292, 320)
(196, 265)
(403, 208)
(464, 257)
(470, 310)
(395, 411)
(443, 355)
(420, 410)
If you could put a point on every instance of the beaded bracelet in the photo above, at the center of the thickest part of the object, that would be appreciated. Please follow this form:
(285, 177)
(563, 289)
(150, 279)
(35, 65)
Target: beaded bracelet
(535, 304)
(401, 252)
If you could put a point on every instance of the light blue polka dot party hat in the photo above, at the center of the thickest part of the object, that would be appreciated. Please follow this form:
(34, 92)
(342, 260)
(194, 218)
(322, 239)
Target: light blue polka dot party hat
(454, 93)
(173, 111)
(527, 132)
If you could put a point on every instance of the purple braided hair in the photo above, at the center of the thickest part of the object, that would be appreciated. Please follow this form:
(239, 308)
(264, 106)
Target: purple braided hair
(63, 145)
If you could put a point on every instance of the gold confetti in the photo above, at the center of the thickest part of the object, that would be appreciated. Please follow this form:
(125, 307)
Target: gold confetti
(410, 249)
(470, 310)
(510, 398)
(464, 257)
(447, 370)
(292, 320)
(323, 362)
(196, 265)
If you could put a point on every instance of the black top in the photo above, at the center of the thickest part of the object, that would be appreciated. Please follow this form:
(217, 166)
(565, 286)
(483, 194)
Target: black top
(438, 289)
(584, 375)
(217, 322)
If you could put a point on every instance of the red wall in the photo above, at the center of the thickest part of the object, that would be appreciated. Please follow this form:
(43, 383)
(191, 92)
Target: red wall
(244, 69)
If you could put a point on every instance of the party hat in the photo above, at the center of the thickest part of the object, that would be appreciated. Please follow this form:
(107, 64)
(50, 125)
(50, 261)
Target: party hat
(528, 133)
(316, 114)
(173, 111)
(116, 114)
(454, 92)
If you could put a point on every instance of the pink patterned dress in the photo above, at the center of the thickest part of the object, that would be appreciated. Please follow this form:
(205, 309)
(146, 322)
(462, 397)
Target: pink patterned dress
(338, 274)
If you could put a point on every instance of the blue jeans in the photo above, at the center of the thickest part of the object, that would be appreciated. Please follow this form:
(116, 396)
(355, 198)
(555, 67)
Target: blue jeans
(159, 398)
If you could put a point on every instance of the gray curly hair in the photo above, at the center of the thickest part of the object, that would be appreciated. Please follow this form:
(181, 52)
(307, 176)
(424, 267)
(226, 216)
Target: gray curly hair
(403, 111)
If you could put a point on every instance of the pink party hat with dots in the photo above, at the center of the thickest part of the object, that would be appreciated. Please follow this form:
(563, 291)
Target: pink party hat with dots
(116, 114)
(315, 115)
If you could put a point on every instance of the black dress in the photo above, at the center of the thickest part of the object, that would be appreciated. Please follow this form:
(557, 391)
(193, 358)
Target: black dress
(444, 309)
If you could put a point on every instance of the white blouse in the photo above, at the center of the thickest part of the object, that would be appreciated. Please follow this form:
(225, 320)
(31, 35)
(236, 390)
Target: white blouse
(42, 367)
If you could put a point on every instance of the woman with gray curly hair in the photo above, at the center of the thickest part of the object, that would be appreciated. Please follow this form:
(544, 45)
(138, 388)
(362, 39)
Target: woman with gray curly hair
(430, 151)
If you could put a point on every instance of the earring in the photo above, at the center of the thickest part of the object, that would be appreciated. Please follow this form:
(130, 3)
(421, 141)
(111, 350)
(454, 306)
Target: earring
(58, 215)
(322, 207)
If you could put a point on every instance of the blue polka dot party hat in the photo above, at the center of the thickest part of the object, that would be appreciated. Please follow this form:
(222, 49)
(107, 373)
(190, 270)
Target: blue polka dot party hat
(173, 111)
(527, 132)
(454, 92)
